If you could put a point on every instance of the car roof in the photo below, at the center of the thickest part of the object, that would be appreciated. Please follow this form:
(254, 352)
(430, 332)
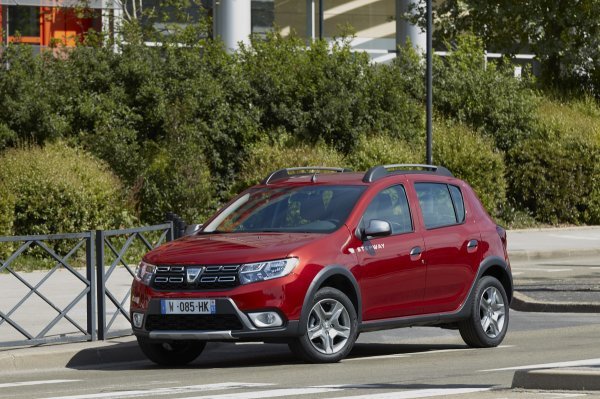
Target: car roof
(330, 175)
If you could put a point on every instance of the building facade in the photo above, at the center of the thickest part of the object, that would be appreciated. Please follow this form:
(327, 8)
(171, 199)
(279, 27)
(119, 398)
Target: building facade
(377, 24)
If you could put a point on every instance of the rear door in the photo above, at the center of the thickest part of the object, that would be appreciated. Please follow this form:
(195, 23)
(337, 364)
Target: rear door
(452, 241)
(392, 280)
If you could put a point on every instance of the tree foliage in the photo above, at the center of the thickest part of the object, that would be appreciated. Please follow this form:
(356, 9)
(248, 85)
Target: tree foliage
(564, 35)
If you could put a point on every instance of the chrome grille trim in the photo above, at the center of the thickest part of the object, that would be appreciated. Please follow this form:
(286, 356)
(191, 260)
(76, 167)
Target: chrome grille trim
(211, 277)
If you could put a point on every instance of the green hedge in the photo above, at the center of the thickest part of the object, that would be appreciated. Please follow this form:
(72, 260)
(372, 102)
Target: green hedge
(473, 158)
(58, 189)
(382, 150)
(178, 180)
(487, 98)
(267, 156)
(557, 178)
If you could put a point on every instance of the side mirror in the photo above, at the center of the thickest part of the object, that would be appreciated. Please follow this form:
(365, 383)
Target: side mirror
(377, 228)
(191, 229)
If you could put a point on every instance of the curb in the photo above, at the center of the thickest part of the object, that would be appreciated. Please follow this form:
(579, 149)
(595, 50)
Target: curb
(84, 354)
(520, 255)
(570, 379)
(523, 303)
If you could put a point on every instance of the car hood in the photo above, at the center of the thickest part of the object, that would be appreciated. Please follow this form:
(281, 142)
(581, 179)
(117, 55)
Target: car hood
(230, 248)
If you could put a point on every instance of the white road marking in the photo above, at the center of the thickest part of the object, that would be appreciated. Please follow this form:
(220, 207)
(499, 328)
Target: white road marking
(420, 393)
(375, 357)
(164, 391)
(575, 363)
(540, 269)
(400, 355)
(273, 393)
(249, 343)
(29, 383)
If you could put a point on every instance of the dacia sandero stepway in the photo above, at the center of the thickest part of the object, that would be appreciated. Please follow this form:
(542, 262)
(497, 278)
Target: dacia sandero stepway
(313, 256)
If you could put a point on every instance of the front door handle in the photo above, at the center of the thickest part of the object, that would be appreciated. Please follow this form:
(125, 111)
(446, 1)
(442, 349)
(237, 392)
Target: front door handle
(415, 253)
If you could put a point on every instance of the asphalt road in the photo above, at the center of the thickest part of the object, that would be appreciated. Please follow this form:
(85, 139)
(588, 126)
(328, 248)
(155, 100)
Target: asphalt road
(404, 363)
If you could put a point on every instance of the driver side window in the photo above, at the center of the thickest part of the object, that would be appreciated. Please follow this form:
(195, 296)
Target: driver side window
(390, 205)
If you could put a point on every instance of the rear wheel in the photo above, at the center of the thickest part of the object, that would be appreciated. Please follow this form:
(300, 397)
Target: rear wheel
(174, 353)
(331, 328)
(488, 323)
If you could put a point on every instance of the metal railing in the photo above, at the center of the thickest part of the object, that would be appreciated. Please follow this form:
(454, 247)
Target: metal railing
(25, 245)
(45, 306)
(104, 243)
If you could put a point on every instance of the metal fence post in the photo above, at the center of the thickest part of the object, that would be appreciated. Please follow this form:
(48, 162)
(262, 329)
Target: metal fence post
(171, 233)
(100, 283)
(91, 295)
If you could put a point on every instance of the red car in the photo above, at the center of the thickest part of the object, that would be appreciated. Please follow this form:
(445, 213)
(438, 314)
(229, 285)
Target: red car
(312, 259)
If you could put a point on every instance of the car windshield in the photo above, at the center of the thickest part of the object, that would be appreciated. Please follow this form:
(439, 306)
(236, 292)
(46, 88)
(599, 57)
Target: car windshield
(306, 209)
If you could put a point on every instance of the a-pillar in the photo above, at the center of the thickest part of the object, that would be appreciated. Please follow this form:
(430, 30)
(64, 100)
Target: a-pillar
(232, 22)
(405, 30)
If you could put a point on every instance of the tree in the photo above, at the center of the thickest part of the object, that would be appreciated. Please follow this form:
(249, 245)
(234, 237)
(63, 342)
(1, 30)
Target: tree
(563, 34)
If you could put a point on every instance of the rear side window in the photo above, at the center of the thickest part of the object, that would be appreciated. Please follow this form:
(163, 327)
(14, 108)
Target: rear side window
(441, 204)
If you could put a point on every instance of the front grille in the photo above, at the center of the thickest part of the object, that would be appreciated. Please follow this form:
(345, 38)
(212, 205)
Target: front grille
(195, 277)
(193, 322)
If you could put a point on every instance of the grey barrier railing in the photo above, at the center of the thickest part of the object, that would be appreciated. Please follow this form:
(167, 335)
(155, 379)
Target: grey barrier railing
(44, 243)
(104, 243)
(89, 259)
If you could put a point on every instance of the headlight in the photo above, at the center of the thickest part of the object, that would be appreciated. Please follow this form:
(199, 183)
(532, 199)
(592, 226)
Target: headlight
(252, 272)
(144, 272)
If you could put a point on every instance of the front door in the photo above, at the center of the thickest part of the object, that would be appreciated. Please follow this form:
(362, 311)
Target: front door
(392, 280)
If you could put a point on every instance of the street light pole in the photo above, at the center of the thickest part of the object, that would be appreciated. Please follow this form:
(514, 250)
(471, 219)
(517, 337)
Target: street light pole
(428, 85)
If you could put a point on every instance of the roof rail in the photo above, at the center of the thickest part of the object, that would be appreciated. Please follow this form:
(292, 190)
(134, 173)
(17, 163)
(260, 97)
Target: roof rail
(377, 172)
(283, 173)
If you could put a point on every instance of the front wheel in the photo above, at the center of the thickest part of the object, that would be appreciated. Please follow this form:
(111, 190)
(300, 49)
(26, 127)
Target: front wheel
(331, 328)
(488, 322)
(174, 353)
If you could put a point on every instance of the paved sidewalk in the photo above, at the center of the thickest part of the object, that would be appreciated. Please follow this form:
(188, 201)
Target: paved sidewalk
(553, 243)
(552, 289)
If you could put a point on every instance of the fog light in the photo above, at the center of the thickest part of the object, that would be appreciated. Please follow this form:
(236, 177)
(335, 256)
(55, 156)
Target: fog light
(266, 319)
(138, 320)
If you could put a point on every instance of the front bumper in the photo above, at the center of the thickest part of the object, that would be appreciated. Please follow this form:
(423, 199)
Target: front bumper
(228, 323)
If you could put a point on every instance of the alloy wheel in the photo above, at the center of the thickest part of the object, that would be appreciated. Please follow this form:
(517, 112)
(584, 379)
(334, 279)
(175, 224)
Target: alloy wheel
(492, 311)
(329, 326)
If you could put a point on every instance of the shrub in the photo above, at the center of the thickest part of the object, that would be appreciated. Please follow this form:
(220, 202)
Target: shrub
(177, 180)
(57, 189)
(267, 156)
(557, 178)
(31, 94)
(571, 117)
(489, 99)
(383, 150)
(325, 92)
(474, 159)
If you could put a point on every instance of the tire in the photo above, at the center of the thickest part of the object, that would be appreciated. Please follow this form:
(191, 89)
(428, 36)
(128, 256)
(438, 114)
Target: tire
(488, 322)
(174, 353)
(331, 328)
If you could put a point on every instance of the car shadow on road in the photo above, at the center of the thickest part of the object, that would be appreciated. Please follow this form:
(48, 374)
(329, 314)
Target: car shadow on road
(127, 356)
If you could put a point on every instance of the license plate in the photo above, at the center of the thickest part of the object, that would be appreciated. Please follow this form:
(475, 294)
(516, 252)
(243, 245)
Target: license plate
(187, 306)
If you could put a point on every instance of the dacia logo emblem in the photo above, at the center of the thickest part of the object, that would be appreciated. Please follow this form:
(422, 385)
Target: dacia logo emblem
(192, 274)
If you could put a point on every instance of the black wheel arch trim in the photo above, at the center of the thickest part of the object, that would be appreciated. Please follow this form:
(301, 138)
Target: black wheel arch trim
(494, 261)
(320, 278)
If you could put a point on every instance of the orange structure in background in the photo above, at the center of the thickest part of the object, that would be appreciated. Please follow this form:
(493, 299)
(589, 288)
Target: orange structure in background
(55, 26)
